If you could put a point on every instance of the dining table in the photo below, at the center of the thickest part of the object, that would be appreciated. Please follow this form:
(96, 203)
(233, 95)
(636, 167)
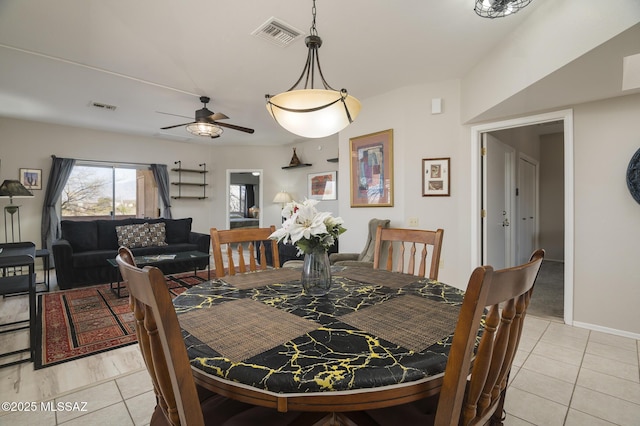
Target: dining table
(377, 339)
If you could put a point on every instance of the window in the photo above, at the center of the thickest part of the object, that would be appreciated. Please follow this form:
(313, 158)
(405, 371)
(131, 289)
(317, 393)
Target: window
(113, 191)
(237, 199)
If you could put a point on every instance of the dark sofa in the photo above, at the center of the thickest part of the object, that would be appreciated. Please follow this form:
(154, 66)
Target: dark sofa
(81, 254)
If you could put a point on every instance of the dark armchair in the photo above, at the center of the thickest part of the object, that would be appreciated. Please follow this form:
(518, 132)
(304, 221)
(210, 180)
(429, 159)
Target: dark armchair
(365, 258)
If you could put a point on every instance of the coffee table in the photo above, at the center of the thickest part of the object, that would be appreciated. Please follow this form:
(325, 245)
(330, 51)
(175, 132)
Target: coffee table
(159, 260)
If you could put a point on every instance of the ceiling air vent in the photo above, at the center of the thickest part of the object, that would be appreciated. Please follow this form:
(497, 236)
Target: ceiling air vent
(277, 32)
(100, 105)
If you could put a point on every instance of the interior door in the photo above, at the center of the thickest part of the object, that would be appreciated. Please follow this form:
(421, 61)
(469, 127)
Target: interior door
(527, 208)
(498, 202)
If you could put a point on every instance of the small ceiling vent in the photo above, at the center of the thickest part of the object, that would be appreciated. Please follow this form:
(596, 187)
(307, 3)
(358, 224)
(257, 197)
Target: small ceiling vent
(100, 105)
(277, 32)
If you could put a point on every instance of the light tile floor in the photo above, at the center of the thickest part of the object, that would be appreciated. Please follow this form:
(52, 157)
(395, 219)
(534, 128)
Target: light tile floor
(562, 375)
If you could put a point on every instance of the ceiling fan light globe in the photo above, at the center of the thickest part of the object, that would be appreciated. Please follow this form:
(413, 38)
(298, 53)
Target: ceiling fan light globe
(204, 129)
(329, 116)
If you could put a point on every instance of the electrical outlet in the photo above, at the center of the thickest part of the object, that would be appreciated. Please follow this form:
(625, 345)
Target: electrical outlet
(413, 221)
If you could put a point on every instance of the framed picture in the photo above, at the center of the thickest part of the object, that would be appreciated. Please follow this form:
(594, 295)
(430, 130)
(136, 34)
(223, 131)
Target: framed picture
(322, 186)
(435, 177)
(31, 178)
(372, 169)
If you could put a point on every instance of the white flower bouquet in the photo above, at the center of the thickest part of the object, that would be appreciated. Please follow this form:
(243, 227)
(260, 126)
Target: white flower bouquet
(310, 230)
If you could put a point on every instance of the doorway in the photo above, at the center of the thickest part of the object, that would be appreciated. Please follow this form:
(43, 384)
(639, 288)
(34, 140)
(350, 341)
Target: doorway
(478, 196)
(244, 198)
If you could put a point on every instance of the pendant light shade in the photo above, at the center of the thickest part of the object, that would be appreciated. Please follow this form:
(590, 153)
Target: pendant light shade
(313, 113)
(310, 112)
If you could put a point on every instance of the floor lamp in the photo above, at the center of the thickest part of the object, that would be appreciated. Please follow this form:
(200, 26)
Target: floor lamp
(11, 189)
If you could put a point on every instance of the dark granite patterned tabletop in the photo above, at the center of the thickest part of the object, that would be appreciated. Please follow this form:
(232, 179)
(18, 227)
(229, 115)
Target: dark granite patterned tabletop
(374, 328)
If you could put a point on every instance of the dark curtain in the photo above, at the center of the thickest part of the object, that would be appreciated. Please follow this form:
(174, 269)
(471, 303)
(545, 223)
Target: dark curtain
(161, 174)
(251, 199)
(60, 170)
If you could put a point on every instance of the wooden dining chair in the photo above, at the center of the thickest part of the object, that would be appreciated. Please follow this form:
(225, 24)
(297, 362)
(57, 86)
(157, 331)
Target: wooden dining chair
(396, 245)
(246, 245)
(178, 401)
(478, 398)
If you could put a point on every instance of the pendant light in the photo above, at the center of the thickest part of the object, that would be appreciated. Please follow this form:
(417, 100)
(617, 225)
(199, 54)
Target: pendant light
(310, 112)
(499, 8)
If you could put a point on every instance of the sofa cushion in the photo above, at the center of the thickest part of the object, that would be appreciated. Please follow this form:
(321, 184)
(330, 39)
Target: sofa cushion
(83, 236)
(134, 235)
(93, 259)
(178, 230)
(157, 234)
(107, 237)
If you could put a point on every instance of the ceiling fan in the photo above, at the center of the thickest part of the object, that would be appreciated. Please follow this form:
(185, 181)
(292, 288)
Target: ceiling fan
(206, 122)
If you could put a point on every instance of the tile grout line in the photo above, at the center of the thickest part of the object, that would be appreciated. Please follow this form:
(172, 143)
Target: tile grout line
(575, 383)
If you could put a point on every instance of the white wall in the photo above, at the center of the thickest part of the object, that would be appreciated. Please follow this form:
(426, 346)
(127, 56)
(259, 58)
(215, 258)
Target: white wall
(607, 222)
(552, 195)
(417, 134)
(271, 160)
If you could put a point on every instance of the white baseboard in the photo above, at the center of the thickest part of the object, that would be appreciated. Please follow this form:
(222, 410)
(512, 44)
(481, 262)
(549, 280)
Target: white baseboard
(613, 331)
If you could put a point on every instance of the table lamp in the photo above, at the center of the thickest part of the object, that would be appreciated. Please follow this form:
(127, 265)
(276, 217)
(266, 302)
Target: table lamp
(283, 198)
(11, 189)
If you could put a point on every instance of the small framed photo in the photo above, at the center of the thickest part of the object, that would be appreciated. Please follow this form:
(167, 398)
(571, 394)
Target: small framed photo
(323, 186)
(436, 177)
(31, 178)
(372, 169)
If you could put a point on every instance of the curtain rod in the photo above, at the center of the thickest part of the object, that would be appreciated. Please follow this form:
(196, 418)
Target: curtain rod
(109, 162)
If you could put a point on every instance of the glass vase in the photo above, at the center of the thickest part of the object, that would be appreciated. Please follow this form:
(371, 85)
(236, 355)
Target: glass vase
(316, 273)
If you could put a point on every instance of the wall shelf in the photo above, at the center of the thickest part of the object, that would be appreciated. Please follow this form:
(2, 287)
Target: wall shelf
(183, 197)
(180, 184)
(295, 167)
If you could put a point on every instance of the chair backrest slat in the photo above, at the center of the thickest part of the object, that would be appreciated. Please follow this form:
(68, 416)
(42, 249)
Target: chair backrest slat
(251, 246)
(419, 243)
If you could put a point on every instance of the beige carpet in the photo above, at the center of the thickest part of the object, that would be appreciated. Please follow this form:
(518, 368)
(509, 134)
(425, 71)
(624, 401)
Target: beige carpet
(548, 294)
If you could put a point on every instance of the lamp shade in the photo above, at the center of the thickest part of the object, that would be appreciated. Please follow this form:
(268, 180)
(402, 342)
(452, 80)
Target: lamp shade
(282, 197)
(313, 113)
(13, 188)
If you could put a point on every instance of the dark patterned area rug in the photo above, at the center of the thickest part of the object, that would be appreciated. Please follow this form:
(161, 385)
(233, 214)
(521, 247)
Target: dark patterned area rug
(76, 323)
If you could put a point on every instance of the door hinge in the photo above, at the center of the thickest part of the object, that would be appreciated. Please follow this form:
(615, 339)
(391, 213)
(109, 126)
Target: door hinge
(483, 213)
(483, 151)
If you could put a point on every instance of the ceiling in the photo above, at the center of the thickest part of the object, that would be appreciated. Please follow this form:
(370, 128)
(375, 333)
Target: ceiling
(152, 60)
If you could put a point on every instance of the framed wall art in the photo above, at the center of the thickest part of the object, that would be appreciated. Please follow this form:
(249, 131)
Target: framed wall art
(31, 178)
(372, 169)
(322, 186)
(435, 177)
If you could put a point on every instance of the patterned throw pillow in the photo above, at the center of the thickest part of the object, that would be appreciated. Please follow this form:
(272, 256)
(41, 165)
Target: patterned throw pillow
(157, 234)
(133, 236)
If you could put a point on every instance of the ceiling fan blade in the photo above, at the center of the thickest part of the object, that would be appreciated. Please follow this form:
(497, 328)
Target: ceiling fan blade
(217, 116)
(177, 125)
(175, 115)
(234, 127)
